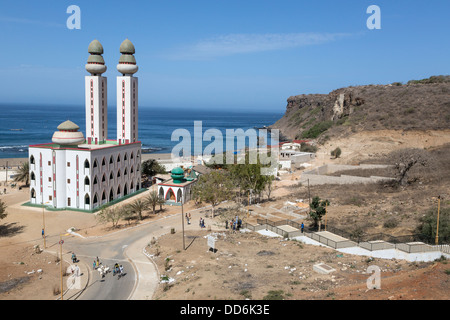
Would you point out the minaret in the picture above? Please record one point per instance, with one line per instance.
(127, 95)
(96, 96)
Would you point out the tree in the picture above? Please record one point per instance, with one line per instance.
(318, 210)
(112, 214)
(23, 173)
(137, 207)
(153, 200)
(3, 213)
(428, 225)
(213, 188)
(151, 168)
(405, 160)
(269, 185)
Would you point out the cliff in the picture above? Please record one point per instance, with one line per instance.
(417, 105)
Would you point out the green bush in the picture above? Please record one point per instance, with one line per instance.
(427, 225)
(336, 152)
(317, 129)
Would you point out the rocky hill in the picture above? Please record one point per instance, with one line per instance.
(416, 105)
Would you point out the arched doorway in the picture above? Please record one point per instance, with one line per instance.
(179, 195)
(170, 196)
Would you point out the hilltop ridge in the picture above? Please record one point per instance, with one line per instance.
(417, 105)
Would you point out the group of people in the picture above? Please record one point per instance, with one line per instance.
(235, 224)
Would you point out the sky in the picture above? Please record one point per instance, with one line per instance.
(225, 55)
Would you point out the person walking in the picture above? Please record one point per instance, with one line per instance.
(302, 227)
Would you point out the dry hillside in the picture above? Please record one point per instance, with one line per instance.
(417, 105)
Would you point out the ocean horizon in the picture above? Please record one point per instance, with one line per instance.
(22, 125)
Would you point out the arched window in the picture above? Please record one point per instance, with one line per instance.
(118, 158)
(95, 163)
(32, 159)
(33, 193)
(32, 176)
(125, 190)
(86, 181)
(161, 192)
(95, 180)
(111, 176)
(118, 173)
(95, 198)
(86, 164)
(103, 196)
(179, 195)
(125, 157)
(118, 191)
(87, 200)
(111, 195)
(131, 170)
(132, 155)
(111, 160)
(103, 162)
(103, 178)
(125, 172)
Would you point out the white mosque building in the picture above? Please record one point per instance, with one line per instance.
(85, 172)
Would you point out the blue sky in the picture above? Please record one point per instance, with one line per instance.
(240, 55)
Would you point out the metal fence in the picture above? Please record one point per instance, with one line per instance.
(412, 243)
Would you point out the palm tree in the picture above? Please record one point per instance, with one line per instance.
(3, 213)
(23, 173)
(154, 199)
(138, 207)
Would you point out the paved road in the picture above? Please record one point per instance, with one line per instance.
(116, 248)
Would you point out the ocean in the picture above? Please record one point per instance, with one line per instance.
(24, 125)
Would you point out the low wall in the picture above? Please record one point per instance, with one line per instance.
(318, 176)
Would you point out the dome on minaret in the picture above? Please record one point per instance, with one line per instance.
(127, 62)
(95, 47)
(68, 134)
(127, 47)
(95, 64)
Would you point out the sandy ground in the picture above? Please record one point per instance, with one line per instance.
(245, 266)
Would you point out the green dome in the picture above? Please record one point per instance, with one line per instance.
(95, 47)
(177, 175)
(127, 47)
(177, 170)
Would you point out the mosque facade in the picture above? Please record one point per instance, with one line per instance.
(77, 171)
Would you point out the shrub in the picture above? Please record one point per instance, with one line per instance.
(390, 223)
(317, 129)
(304, 147)
(274, 295)
(336, 153)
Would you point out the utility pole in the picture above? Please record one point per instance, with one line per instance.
(61, 263)
(309, 197)
(326, 215)
(437, 224)
(182, 220)
(43, 218)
